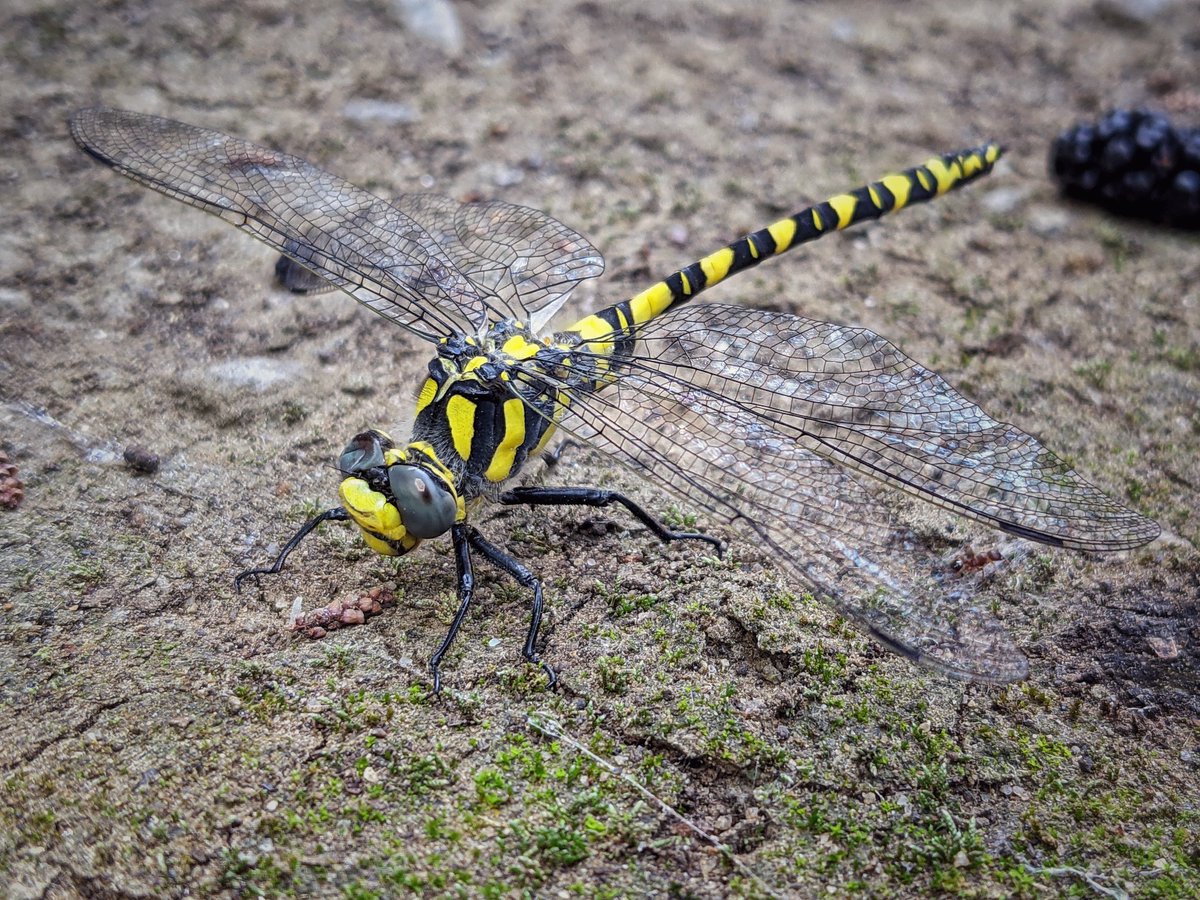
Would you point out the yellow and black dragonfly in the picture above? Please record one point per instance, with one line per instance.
(776, 424)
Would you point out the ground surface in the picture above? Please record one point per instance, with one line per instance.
(162, 736)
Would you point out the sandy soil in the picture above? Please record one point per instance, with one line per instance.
(714, 732)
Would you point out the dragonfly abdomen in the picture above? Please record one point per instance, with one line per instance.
(611, 331)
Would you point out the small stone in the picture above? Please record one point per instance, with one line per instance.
(1046, 222)
(141, 460)
(961, 860)
(316, 632)
(1002, 201)
(353, 617)
(1131, 12)
(434, 21)
(507, 176)
(389, 113)
(12, 492)
(1163, 647)
(258, 373)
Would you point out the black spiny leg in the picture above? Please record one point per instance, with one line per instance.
(581, 496)
(461, 535)
(526, 579)
(337, 514)
(465, 538)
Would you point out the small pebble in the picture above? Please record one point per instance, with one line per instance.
(141, 460)
(12, 492)
(364, 110)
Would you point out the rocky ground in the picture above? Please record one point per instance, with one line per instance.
(716, 731)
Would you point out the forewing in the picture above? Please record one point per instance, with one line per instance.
(351, 238)
(530, 261)
(850, 396)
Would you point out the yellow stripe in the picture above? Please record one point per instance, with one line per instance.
(473, 363)
(519, 348)
(514, 435)
(684, 284)
(595, 331)
(753, 246)
(460, 413)
(782, 233)
(428, 392)
(544, 441)
(971, 164)
(650, 302)
(923, 177)
(622, 318)
(818, 222)
(874, 195)
(900, 187)
(716, 265)
(844, 205)
(943, 173)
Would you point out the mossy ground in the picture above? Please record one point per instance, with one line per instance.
(716, 731)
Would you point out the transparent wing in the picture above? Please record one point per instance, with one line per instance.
(850, 396)
(353, 239)
(527, 259)
(769, 421)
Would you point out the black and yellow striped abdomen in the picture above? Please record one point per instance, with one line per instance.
(609, 331)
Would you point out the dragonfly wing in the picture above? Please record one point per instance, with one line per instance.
(529, 260)
(777, 424)
(850, 396)
(822, 524)
(353, 239)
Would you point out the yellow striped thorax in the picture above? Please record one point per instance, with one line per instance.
(485, 407)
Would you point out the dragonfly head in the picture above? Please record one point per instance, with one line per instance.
(398, 497)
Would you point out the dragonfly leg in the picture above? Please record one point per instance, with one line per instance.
(582, 496)
(553, 457)
(460, 534)
(526, 579)
(337, 514)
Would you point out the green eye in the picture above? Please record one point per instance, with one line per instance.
(426, 507)
(365, 451)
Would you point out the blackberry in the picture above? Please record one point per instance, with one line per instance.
(1135, 163)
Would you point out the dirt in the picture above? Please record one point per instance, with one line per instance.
(715, 732)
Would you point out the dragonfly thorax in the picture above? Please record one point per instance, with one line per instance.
(486, 406)
(398, 496)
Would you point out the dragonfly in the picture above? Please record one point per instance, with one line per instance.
(780, 427)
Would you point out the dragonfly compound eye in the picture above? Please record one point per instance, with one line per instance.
(427, 507)
(365, 451)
